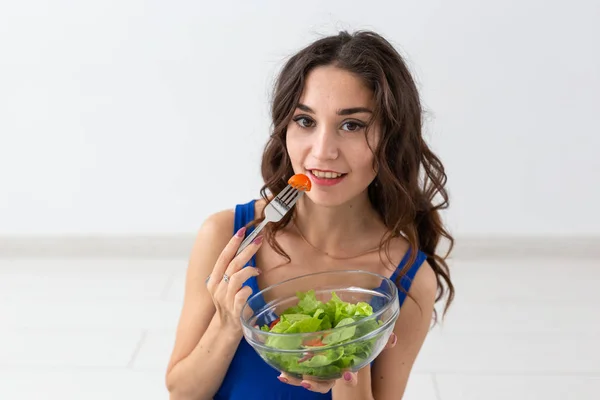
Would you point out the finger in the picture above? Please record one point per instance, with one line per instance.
(224, 259)
(234, 268)
(350, 378)
(285, 378)
(392, 340)
(319, 387)
(240, 299)
(238, 262)
(237, 280)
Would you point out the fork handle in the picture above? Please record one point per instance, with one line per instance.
(252, 236)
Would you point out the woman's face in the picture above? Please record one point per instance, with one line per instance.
(326, 136)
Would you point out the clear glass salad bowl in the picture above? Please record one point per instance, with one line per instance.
(318, 326)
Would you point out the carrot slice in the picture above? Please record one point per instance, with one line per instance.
(300, 182)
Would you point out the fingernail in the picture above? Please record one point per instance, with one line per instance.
(282, 379)
(241, 232)
(394, 339)
(347, 376)
(258, 271)
(305, 385)
(258, 240)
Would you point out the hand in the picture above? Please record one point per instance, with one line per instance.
(348, 379)
(225, 282)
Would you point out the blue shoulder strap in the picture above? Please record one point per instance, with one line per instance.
(244, 213)
(409, 277)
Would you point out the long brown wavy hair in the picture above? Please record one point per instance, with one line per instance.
(409, 174)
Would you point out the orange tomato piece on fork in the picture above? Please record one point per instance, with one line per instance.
(300, 182)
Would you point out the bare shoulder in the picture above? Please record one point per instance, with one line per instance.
(218, 223)
(259, 206)
(212, 237)
(424, 287)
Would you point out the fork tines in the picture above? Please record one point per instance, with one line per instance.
(286, 195)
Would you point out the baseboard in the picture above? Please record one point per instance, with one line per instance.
(109, 246)
(477, 247)
(179, 246)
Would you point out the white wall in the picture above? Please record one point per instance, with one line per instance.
(122, 116)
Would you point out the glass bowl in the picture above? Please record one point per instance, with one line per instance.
(318, 326)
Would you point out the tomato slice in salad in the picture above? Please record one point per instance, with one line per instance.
(315, 342)
(274, 323)
(306, 357)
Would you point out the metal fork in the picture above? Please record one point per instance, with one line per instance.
(274, 212)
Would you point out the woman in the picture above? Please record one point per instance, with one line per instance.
(346, 113)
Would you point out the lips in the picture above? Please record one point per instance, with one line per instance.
(326, 178)
(325, 174)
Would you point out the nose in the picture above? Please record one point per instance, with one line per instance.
(325, 145)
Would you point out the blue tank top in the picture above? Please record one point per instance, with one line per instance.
(251, 378)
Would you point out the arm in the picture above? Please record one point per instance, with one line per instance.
(392, 368)
(358, 389)
(200, 374)
(389, 375)
(203, 350)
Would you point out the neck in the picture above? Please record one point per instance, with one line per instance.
(338, 231)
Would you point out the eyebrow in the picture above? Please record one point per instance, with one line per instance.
(345, 111)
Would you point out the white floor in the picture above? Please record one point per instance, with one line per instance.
(103, 329)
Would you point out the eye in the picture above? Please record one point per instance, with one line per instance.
(304, 122)
(353, 126)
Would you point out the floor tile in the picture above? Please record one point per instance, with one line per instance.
(468, 387)
(80, 384)
(67, 348)
(510, 353)
(176, 288)
(155, 350)
(420, 387)
(538, 281)
(84, 279)
(89, 313)
(525, 317)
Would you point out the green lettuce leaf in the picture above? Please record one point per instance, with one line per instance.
(312, 315)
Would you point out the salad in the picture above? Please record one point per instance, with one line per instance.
(325, 355)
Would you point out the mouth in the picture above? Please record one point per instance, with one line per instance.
(326, 174)
(326, 178)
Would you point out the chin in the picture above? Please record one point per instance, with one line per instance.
(324, 199)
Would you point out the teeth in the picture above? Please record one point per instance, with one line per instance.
(327, 175)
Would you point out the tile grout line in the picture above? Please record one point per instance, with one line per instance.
(167, 288)
(137, 349)
(499, 373)
(436, 388)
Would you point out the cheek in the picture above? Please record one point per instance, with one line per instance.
(294, 148)
(367, 167)
(362, 162)
(370, 151)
